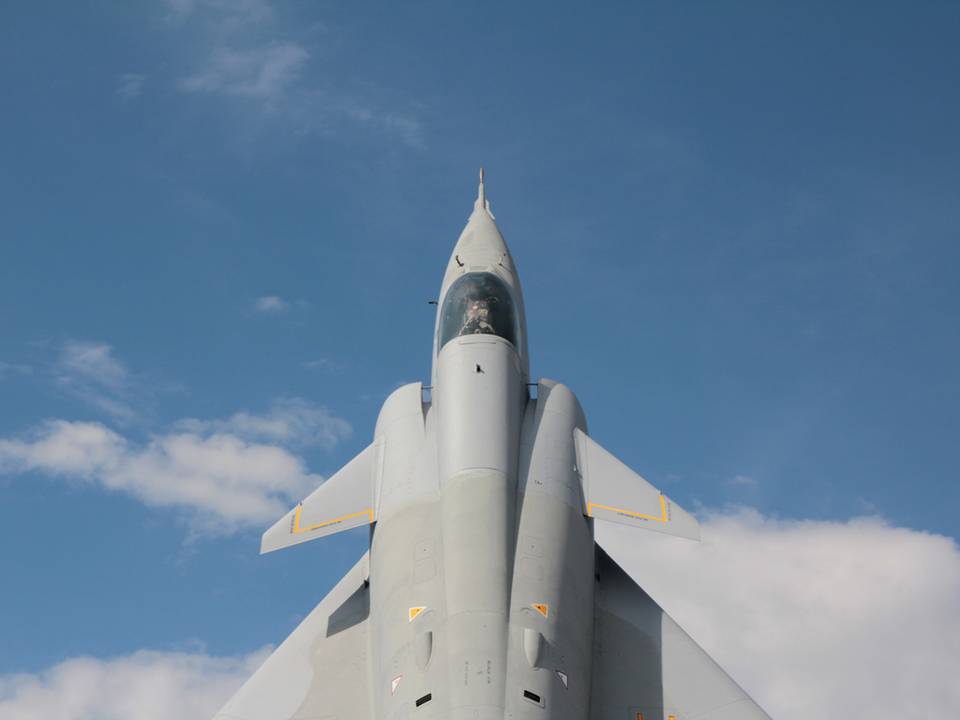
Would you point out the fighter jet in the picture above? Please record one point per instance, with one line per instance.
(484, 594)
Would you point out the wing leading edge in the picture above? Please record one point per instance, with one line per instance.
(614, 492)
(346, 500)
(645, 667)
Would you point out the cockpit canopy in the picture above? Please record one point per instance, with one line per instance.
(478, 303)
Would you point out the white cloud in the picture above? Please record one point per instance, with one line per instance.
(293, 421)
(146, 685)
(218, 471)
(271, 304)
(244, 58)
(747, 481)
(94, 362)
(247, 54)
(90, 372)
(262, 73)
(321, 363)
(77, 449)
(130, 85)
(815, 619)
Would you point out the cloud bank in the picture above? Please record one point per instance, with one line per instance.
(226, 474)
(146, 685)
(852, 619)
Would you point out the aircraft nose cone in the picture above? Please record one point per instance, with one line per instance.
(481, 247)
(481, 243)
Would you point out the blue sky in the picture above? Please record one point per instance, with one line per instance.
(736, 226)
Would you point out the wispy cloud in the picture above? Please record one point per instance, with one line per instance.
(90, 372)
(94, 362)
(271, 304)
(743, 481)
(8, 370)
(263, 73)
(147, 685)
(290, 421)
(225, 474)
(247, 55)
(812, 617)
(405, 126)
(322, 364)
(130, 85)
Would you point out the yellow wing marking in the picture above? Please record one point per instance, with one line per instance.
(296, 520)
(631, 513)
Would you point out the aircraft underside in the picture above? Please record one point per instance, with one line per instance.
(483, 594)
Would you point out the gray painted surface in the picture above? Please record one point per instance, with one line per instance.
(321, 669)
(614, 492)
(487, 597)
(646, 665)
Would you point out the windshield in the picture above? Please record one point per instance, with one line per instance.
(478, 303)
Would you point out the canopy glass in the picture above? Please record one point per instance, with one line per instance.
(478, 303)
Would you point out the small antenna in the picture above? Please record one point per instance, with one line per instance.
(481, 194)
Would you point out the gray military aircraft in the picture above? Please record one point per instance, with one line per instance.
(484, 595)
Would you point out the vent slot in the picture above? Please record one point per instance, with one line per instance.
(533, 697)
(424, 700)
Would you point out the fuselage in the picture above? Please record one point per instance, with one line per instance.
(481, 559)
(483, 595)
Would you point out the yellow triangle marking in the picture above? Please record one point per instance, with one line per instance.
(542, 608)
(413, 612)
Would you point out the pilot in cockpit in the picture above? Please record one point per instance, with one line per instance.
(477, 318)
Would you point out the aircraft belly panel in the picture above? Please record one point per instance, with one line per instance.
(477, 523)
(407, 609)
